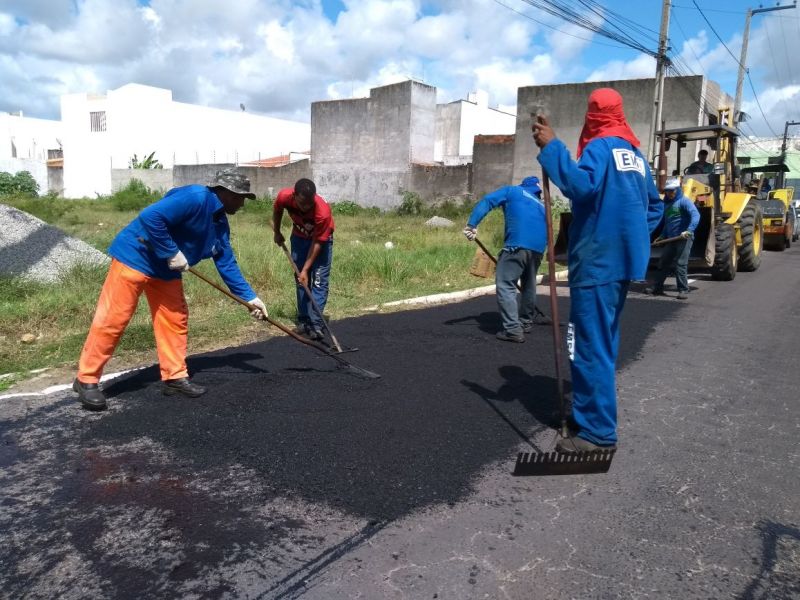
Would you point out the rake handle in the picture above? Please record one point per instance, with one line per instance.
(310, 296)
(551, 264)
(665, 241)
(269, 320)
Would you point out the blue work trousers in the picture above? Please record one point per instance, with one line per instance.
(593, 343)
(513, 265)
(675, 257)
(318, 280)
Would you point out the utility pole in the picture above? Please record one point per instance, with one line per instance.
(783, 148)
(661, 66)
(743, 60)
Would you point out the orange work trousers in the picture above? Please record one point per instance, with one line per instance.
(117, 303)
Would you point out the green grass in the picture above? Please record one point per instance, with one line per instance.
(423, 261)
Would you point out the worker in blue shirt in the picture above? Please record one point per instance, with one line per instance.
(148, 256)
(519, 260)
(680, 220)
(615, 208)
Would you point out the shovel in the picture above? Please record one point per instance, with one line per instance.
(516, 283)
(677, 238)
(358, 371)
(556, 463)
(336, 343)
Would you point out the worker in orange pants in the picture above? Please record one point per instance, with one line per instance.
(148, 256)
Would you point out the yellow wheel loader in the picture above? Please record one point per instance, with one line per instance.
(776, 205)
(729, 236)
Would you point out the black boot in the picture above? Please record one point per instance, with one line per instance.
(90, 395)
(182, 386)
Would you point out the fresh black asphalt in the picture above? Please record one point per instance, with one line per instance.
(289, 465)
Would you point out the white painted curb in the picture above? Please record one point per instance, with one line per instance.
(67, 386)
(457, 296)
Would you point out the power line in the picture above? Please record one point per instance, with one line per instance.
(759, 103)
(543, 24)
(702, 14)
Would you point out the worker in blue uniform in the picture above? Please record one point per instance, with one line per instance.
(680, 220)
(615, 208)
(523, 244)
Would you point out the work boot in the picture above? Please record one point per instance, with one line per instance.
(302, 329)
(315, 334)
(542, 319)
(90, 395)
(682, 296)
(574, 444)
(182, 386)
(506, 336)
(652, 291)
(527, 326)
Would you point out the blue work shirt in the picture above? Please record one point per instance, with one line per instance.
(190, 219)
(523, 211)
(680, 214)
(615, 208)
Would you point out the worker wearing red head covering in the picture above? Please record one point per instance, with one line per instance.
(615, 207)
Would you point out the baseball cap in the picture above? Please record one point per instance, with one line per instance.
(531, 182)
(233, 180)
(673, 183)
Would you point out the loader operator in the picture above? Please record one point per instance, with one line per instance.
(149, 255)
(311, 246)
(523, 245)
(700, 166)
(615, 208)
(680, 220)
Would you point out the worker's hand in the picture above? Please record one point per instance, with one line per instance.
(259, 312)
(303, 278)
(279, 239)
(470, 233)
(178, 262)
(686, 235)
(543, 134)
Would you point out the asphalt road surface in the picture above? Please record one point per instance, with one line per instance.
(292, 478)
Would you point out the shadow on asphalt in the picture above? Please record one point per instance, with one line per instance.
(778, 575)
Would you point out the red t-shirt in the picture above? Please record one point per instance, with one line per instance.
(316, 224)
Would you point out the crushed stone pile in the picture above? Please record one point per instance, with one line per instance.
(32, 249)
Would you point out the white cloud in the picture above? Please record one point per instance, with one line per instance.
(641, 66)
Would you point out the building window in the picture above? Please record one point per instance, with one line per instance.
(97, 121)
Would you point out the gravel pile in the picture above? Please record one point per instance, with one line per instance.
(32, 249)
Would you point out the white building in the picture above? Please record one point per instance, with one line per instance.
(458, 122)
(26, 144)
(104, 132)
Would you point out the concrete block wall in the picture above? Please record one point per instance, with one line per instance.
(436, 182)
(565, 105)
(155, 179)
(362, 149)
(492, 163)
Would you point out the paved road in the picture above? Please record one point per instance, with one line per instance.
(293, 479)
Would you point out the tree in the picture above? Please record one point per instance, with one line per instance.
(149, 162)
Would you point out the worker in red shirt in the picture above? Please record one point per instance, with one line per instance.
(311, 246)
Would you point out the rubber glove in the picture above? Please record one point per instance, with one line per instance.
(470, 233)
(686, 235)
(178, 262)
(259, 312)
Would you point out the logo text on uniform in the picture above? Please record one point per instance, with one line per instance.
(627, 160)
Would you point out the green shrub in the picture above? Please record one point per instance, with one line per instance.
(134, 196)
(22, 183)
(411, 204)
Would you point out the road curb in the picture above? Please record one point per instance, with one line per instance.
(447, 297)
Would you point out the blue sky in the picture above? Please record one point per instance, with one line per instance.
(276, 56)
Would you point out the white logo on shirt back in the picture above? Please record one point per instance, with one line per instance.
(627, 160)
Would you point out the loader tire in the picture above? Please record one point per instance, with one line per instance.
(725, 256)
(751, 227)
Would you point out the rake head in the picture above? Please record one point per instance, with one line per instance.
(559, 463)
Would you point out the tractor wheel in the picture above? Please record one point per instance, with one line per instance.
(725, 256)
(751, 229)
